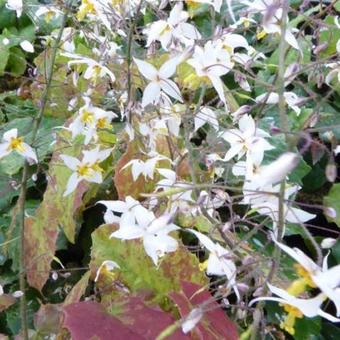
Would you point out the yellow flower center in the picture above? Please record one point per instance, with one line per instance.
(165, 30)
(102, 123)
(297, 287)
(84, 170)
(203, 266)
(246, 22)
(16, 144)
(260, 35)
(192, 4)
(87, 117)
(96, 73)
(87, 7)
(49, 16)
(95, 167)
(303, 273)
(228, 48)
(289, 321)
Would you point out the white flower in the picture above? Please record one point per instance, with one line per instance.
(308, 307)
(291, 99)
(15, 5)
(159, 81)
(48, 12)
(215, 3)
(106, 265)
(89, 119)
(272, 15)
(247, 140)
(130, 205)
(266, 203)
(276, 171)
(218, 262)
(206, 115)
(11, 142)
(174, 28)
(87, 169)
(327, 280)
(146, 168)
(94, 69)
(334, 73)
(27, 46)
(212, 61)
(17, 294)
(154, 232)
(192, 319)
(328, 242)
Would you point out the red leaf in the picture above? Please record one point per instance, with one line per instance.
(133, 320)
(87, 320)
(215, 324)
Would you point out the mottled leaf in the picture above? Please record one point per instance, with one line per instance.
(137, 269)
(123, 179)
(55, 211)
(47, 320)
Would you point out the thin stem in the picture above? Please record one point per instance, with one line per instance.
(280, 82)
(23, 190)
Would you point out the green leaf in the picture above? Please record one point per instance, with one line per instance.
(306, 328)
(137, 270)
(17, 62)
(330, 36)
(4, 55)
(11, 164)
(332, 201)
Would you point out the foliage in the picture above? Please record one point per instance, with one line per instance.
(166, 167)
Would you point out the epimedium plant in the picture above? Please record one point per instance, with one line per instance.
(162, 183)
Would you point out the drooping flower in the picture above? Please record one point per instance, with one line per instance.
(159, 81)
(266, 202)
(146, 168)
(172, 29)
(291, 99)
(247, 140)
(106, 266)
(212, 61)
(296, 307)
(94, 71)
(327, 280)
(276, 171)
(87, 169)
(219, 262)
(153, 231)
(11, 142)
(205, 115)
(271, 12)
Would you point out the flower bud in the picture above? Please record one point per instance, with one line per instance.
(328, 243)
